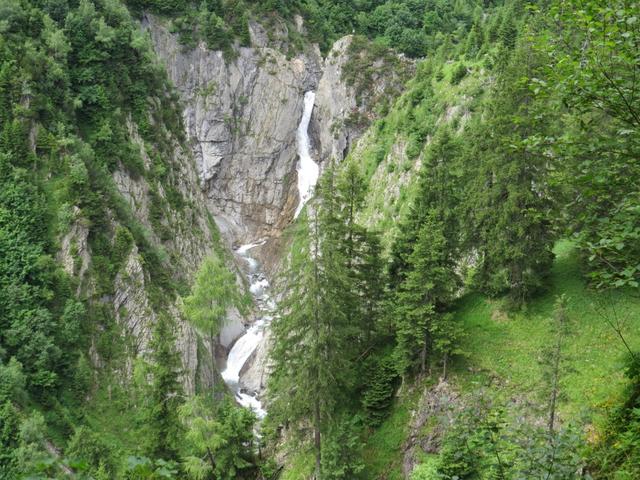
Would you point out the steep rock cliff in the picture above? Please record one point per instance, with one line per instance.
(241, 116)
(183, 233)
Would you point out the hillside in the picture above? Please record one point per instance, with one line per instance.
(319, 240)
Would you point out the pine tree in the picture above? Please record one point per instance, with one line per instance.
(311, 351)
(510, 206)
(422, 269)
(508, 31)
(165, 393)
(380, 379)
(475, 40)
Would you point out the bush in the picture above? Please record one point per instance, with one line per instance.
(458, 74)
(382, 380)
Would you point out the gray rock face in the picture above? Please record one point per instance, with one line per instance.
(335, 101)
(74, 254)
(429, 420)
(241, 116)
(190, 242)
(344, 109)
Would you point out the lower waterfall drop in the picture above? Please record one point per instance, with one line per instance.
(247, 343)
(243, 348)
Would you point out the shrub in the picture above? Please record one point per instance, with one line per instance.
(458, 74)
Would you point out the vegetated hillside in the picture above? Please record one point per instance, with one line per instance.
(497, 193)
(102, 228)
(460, 299)
(506, 354)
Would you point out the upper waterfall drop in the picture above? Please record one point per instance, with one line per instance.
(308, 170)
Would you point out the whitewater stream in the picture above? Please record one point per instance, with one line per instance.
(245, 345)
(249, 341)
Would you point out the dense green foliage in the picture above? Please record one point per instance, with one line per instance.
(328, 323)
(214, 292)
(220, 439)
(548, 147)
(83, 97)
(594, 67)
(617, 455)
(541, 154)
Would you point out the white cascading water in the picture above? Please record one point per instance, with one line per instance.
(242, 349)
(247, 343)
(308, 170)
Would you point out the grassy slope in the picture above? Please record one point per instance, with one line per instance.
(510, 347)
(507, 350)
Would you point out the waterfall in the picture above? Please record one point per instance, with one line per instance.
(308, 170)
(247, 343)
(244, 346)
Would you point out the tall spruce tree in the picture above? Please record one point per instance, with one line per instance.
(311, 349)
(423, 296)
(165, 393)
(509, 204)
(439, 191)
(361, 251)
(422, 269)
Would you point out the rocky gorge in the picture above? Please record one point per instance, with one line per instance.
(241, 117)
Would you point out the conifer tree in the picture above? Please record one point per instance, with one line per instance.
(311, 351)
(508, 31)
(165, 393)
(427, 290)
(361, 251)
(219, 439)
(422, 269)
(474, 40)
(214, 292)
(439, 192)
(510, 206)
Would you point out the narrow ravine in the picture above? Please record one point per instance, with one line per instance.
(243, 348)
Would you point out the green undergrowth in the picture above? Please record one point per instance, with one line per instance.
(505, 349)
(505, 354)
(299, 465)
(382, 448)
(382, 452)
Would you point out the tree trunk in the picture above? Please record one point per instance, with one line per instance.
(423, 353)
(444, 366)
(316, 436)
(211, 460)
(554, 389)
